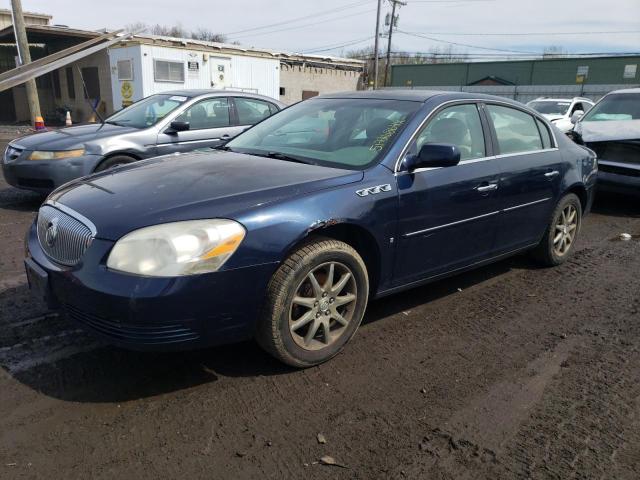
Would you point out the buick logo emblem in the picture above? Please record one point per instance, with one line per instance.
(51, 233)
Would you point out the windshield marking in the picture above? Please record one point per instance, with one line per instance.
(382, 139)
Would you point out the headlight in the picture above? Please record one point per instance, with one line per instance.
(176, 249)
(58, 155)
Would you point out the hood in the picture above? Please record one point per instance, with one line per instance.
(70, 137)
(604, 131)
(191, 186)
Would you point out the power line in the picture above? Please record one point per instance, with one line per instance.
(304, 17)
(485, 34)
(302, 26)
(433, 39)
(336, 46)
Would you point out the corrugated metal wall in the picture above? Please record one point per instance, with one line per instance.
(559, 71)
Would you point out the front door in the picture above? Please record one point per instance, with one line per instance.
(448, 216)
(210, 125)
(532, 170)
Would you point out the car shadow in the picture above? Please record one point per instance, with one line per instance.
(106, 374)
(616, 205)
(20, 200)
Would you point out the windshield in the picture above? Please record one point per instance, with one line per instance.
(550, 107)
(147, 112)
(618, 106)
(336, 132)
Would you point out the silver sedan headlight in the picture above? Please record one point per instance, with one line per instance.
(176, 249)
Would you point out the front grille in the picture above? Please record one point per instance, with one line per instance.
(133, 333)
(63, 237)
(11, 154)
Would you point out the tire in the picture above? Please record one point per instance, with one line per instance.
(285, 328)
(548, 252)
(113, 162)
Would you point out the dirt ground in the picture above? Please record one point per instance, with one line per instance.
(506, 372)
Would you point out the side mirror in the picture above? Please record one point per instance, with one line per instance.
(433, 155)
(577, 115)
(177, 126)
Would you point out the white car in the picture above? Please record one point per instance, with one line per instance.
(561, 111)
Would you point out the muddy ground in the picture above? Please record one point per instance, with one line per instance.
(510, 371)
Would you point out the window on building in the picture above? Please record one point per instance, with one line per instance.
(516, 130)
(71, 86)
(91, 85)
(166, 71)
(210, 113)
(55, 80)
(251, 111)
(309, 94)
(125, 69)
(282, 91)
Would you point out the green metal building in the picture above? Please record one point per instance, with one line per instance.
(619, 70)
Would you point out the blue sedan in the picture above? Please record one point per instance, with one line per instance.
(287, 231)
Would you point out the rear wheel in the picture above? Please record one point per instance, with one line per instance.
(113, 162)
(558, 242)
(315, 303)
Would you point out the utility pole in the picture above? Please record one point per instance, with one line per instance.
(24, 57)
(391, 24)
(376, 60)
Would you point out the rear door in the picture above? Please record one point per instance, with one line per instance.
(531, 174)
(210, 125)
(448, 216)
(249, 111)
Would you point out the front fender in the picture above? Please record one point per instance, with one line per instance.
(276, 229)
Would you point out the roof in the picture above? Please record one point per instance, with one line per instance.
(45, 33)
(627, 90)
(28, 14)
(416, 95)
(230, 48)
(196, 92)
(389, 94)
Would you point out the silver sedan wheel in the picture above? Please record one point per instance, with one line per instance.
(565, 231)
(323, 306)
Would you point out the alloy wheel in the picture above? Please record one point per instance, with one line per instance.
(323, 306)
(565, 230)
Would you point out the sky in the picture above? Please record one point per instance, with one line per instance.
(333, 27)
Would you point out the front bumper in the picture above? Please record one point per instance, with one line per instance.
(145, 313)
(43, 176)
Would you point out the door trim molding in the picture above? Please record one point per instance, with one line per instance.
(479, 217)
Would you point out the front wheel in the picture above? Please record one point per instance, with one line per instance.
(559, 240)
(315, 303)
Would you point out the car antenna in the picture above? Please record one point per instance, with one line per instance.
(86, 94)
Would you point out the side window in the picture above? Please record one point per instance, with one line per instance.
(251, 111)
(210, 113)
(544, 133)
(516, 130)
(459, 125)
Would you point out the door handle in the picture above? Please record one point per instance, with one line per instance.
(487, 188)
(225, 137)
(552, 174)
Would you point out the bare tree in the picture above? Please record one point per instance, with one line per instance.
(207, 35)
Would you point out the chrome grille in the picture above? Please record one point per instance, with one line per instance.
(63, 237)
(11, 154)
